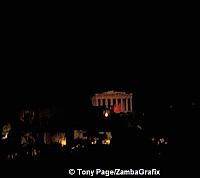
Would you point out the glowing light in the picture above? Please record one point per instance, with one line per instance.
(5, 131)
(5, 137)
(106, 114)
(94, 142)
(139, 127)
(162, 140)
(63, 142)
(106, 142)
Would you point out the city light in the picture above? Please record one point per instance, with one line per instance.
(106, 142)
(106, 114)
(94, 142)
(5, 131)
(139, 127)
(162, 140)
(63, 142)
(5, 137)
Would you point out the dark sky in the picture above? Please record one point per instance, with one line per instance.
(69, 82)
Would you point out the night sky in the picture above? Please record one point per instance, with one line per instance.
(69, 84)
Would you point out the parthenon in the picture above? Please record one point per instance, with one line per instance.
(118, 101)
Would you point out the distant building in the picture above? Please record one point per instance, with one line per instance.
(80, 134)
(59, 137)
(113, 100)
(100, 136)
(41, 116)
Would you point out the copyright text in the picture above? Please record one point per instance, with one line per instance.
(113, 172)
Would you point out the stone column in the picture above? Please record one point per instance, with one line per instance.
(116, 102)
(126, 104)
(106, 102)
(122, 106)
(101, 101)
(131, 104)
(111, 101)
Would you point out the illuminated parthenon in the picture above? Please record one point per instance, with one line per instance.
(119, 101)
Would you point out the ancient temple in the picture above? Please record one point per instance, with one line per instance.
(118, 101)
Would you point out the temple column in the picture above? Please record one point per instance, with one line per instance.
(122, 105)
(126, 104)
(101, 101)
(106, 102)
(116, 101)
(131, 104)
(111, 101)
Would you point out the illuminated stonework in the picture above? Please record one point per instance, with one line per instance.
(118, 101)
